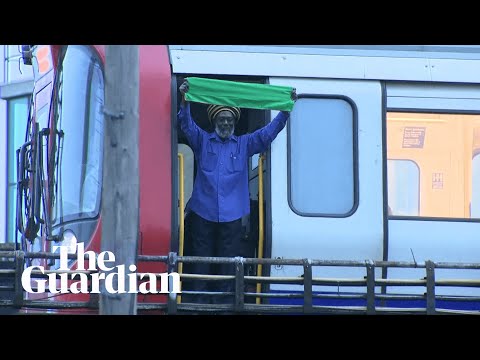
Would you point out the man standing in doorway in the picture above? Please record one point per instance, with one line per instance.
(220, 195)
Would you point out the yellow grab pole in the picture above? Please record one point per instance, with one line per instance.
(260, 221)
(181, 216)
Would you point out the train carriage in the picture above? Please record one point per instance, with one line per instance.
(378, 164)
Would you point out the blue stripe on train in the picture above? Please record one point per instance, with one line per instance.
(439, 304)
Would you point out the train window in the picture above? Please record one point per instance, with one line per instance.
(475, 205)
(78, 117)
(17, 110)
(188, 171)
(255, 159)
(321, 157)
(404, 178)
(443, 148)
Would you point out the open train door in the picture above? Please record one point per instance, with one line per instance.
(327, 179)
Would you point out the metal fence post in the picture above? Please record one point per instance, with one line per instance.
(19, 264)
(172, 298)
(370, 287)
(239, 284)
(430, 269)
(307, 286)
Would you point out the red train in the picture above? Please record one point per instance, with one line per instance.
(328, 189)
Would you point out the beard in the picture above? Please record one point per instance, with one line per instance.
(224, 132)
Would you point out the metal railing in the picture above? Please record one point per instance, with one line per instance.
(307, 293)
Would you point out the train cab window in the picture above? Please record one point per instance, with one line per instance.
(321, 157)
(17, 110)
(403, 177)
(80, 97)
(443, 148)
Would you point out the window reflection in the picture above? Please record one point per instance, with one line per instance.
(475, 206)
(403, 185)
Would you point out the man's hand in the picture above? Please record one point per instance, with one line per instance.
(184, 87)
(183, 90)
(294, 94)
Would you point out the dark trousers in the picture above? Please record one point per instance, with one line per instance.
(222, 239)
